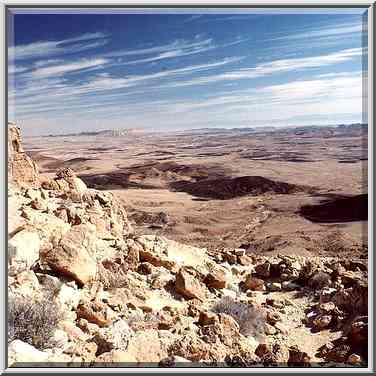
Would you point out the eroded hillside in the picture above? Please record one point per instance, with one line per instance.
(86, 290)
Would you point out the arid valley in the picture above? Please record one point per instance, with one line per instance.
(264, 191)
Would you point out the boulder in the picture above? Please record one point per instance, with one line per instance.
(114, 337)
(22, 169)
(145, 347)
(188, 285)
(23, 248)
(75, 254)
(216, 279)
(21, 352)
(96, 312)
(319, 280)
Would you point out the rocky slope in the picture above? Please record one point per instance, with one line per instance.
(84, 290)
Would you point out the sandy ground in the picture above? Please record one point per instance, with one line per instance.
(150, 173)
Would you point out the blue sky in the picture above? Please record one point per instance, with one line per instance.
(70, 72)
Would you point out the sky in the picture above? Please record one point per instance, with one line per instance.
(81, 72)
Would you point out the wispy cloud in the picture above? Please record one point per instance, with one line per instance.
(192, 18)
(326, 99)
(328, 31)
(56, 70)
(13, 69)
(175, 49)
(277, 66)
(58, 47)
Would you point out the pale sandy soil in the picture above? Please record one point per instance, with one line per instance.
(141, 171)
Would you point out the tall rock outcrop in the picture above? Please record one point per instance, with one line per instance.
(21, 168)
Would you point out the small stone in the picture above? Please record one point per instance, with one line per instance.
(322, 321)
(273, 317)
(263, 270)
(281, 328)
(274, 286)
(207, 318)
(254, 283)
(270, 329)
(354, 359)
(216, 279)
(290, 286)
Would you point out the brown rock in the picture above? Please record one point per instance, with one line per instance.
(254, 283)
(322, 321)
(338, 354)
(145, 347)
(244, 260)
(216, 279)
(188, 285)
(298, 357)
(230, 258)
(207, 318)
(145, 268)
(359, 331)
(74, 256)
(133, 259)
(96, 312)
(21, 168)
(272, 317)
(263, 270)
(319, 280)
(82, 351)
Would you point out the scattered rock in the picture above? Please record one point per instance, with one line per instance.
(254, 283)
(216, 279)
(188, 285)
(322, 321)
(96, 312)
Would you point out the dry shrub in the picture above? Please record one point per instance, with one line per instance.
(251, 319)
(332, 243)
(33, 321)
(112, 279)
(139, 321)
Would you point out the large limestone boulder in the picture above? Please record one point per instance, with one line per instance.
(75, 254)
(21, 352)
(23, 249)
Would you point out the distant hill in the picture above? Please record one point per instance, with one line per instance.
(106, 133)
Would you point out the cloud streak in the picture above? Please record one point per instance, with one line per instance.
(339, 30)
(51, 48)
(277, 66)
(56, 70)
